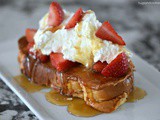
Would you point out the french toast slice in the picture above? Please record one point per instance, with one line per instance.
(103, 94)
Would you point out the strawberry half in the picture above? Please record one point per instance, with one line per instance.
(38, 54)
(107, 32)
(118, 67)
(60, 63)
(30, 34)
(56, 14)
(98, 66)
(75, 19)
(41, 57)
(30, 45)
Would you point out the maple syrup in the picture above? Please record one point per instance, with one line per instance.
(54, 29)
(136, 94)
(58, 99)
(79, 108)
(27, 85)
(76, 106)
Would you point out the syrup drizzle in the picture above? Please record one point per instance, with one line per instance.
(28, 85)
(80, 108)
(76, 106)
(136, 94)
(58, 99)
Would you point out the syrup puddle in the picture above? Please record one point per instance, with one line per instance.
(28, 85)
(136, 94)
(76, 106)
(58, 99)
(79, 108)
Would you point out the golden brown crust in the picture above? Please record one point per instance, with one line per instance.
(104, 94)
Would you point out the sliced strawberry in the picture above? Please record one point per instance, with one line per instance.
(98, 66)
(56, 14)
(38, 53)
(30, 34)
(30, 45)
(118, 67)
(75, 19)
(60, 63)
(41, 57)
(107, 32)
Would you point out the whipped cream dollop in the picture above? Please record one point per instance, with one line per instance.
(78, 44)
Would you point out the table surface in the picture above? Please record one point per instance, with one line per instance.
(140, 22)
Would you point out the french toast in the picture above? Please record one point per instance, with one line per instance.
(105, 94)
(78, 56)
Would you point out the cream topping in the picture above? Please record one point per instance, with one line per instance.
(79, 43)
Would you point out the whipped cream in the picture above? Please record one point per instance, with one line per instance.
(77, 44)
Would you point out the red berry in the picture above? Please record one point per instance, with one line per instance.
(38, 53)
(56, 14)
(98, 66)
(118, 67)
(75, 19)
(60, 63)
(41, 57)
(29, 46)
(107, 32)
(30, 34)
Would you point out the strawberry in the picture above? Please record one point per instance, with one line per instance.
(118, 67)
(30, 45)
(56, 14)
(107, 32)
(41, 57)
(60, 63)
(75, 19)
(30, 34)
(98, 66)
(38, 53)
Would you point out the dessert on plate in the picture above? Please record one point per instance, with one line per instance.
(78, 56)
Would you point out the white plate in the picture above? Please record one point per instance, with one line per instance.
(146, 77)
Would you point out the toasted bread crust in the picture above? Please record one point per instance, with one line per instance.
(104, 94)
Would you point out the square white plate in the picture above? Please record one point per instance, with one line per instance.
(146, 77)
